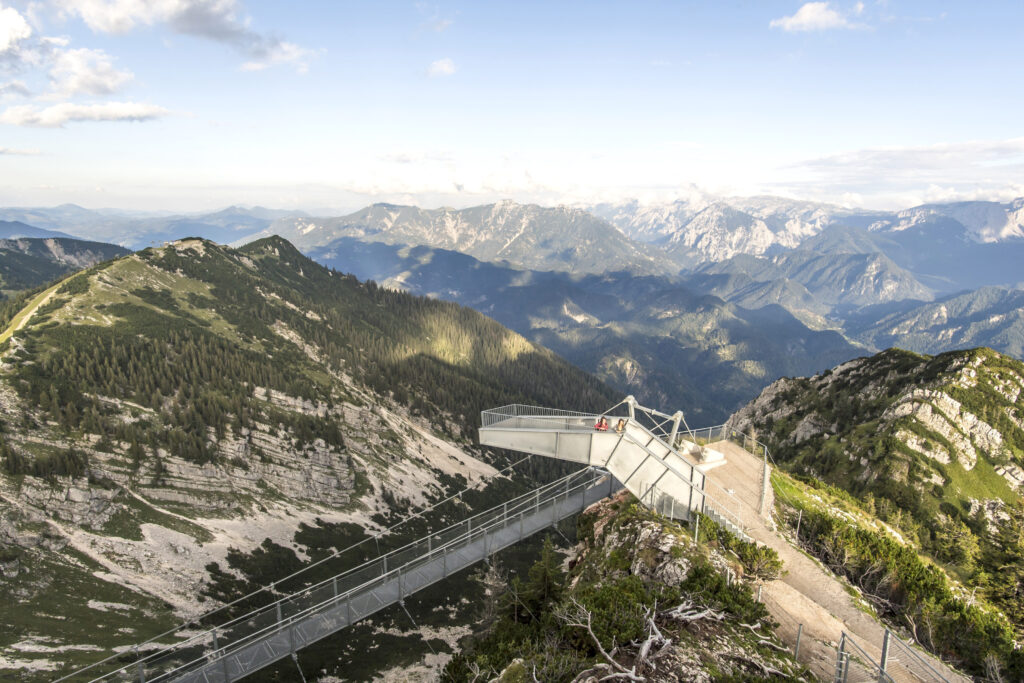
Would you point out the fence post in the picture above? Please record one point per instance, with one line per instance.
(277, 606)
(799, 632)
(882, 677)
(799, 518)
(765, 482)
(839, 658)
(696, 527)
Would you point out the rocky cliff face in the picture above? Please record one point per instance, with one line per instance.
(948, 426)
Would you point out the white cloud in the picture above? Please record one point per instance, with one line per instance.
(282, 53)
(221, 21)
(87, 72)
(15, 89)
(7, 151)
(13, 29)
(441, 67)
(57, 115)
(896, 177)
(814, 16)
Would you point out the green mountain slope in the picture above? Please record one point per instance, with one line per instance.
(163, 414)
(665, 343)
(932, 445)
(989, 316)
(30, 262)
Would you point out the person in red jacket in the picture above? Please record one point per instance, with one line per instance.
(602, 424)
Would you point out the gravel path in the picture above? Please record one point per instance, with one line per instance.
(808, 594)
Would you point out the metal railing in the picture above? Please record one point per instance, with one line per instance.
(725, 432)
(854, 665)
(899, 662)
(270, 632)
(729, 513)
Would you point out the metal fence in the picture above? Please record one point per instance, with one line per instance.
(898, 662)
(270, 632)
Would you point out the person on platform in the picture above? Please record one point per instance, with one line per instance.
(602, 424)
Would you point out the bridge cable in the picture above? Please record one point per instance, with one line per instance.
(417, 626)
(301, 675)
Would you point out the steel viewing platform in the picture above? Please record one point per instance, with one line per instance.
(655, 456)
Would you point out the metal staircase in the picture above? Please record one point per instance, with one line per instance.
(668, 478)
(247, 643)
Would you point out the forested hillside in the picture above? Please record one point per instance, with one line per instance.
(30, 262)
(934, 448)
(191, 407)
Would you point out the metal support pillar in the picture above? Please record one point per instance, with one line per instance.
(141, 668)
(796, 649)
(676, 419)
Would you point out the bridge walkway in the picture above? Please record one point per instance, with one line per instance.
(269, 633)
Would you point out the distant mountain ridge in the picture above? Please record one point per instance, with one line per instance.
(17, 229)
(650, 336)
(523, 235)
(715, 229)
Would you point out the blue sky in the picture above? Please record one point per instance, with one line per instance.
(196, 104)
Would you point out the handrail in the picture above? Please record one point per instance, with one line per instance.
(919, 659)
(472, 526)
(872, 668)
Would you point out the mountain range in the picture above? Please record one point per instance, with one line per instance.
(650, 336)
(632, 291)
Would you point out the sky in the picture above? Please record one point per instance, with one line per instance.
(189, 105)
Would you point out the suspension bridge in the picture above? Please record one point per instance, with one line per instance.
(657, 457)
